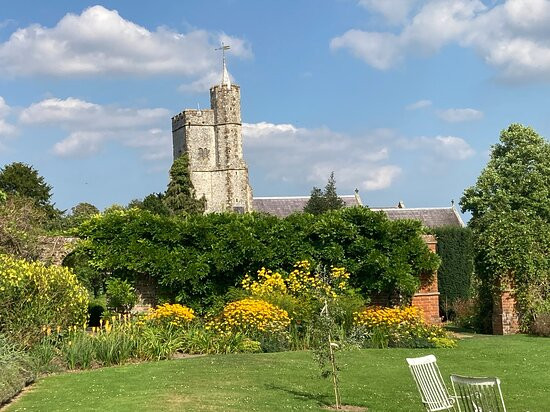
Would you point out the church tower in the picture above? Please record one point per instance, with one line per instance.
(212, 138)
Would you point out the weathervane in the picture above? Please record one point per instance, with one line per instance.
(225, 75)
(223, 49)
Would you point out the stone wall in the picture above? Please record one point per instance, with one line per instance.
(52, 250)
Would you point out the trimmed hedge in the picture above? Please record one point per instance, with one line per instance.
(199, 257)
(454, 276)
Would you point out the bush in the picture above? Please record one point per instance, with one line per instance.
(541, 324)
(171, 315)
(454, 276)
(96, 308)
(33, 296)
(121, 296)
(198, 258)
(16, 370)
(398, 327)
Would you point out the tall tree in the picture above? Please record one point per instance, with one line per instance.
(332, 201)
(511, 218)
(180, 194)
(322, 201)
(23, 180)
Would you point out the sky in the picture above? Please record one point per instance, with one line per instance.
(402, 99)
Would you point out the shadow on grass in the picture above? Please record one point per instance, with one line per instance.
(322, 400)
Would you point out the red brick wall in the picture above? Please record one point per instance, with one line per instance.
(505, 316)
(427, 298)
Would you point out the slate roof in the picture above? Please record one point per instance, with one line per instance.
(284, 206)
(431, 217)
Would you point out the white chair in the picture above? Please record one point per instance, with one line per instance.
(478, 394)
(429, 382)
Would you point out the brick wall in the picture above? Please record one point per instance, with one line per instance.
(505, 316)
(427, 298)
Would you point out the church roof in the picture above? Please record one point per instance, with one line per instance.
(431, 217)
(284, 206)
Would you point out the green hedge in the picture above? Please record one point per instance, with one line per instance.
(455, 247)
(199, 257)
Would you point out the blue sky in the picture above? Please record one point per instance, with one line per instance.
(402, 99)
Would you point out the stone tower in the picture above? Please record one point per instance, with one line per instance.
(213, 140)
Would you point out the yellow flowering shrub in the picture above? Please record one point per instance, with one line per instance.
(33, 295)
(399, 327)
(251, 316)
(301, 282)
(171, 314)
(376, 316)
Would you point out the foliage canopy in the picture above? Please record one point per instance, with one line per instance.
(511, 218)
(200, 256)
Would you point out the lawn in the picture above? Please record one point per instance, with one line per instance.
(378, 379)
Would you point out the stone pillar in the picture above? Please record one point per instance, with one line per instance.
(505, 316)
(427, 298)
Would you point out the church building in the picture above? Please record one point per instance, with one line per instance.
(212, 138)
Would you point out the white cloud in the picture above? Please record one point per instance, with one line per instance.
(381, 177)
(420, 104)
(90, 125)
(6, 129)
(394, 11)
(513, 36)
(100, 41)
(286, 152)
(446, 147)
(460, 115)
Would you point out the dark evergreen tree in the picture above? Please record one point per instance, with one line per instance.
(332, 201)
(322, 201)
(316, 203)
(180, 195)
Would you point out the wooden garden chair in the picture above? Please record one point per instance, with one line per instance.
(478, 394)
(429, 382)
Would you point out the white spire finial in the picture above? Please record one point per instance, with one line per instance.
(226, 81)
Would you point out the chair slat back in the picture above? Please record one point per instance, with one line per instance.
(478, 394)
(429, 382)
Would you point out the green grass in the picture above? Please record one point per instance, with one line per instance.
(378, 379)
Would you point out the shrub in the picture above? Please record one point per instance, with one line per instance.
(96, 308)
(167, 314)
(398, 327)
(465, 312)
(198, 258)
(16, 370)
(255, 319)
(33, 295)
(121, 296)
(454, 276)
(541, 324)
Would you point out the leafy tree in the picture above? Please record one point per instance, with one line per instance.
(23, 180)
(153, 202)
(20, 227)
(81, 212)
(511, 219)
(180, 195)
(322, 201)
